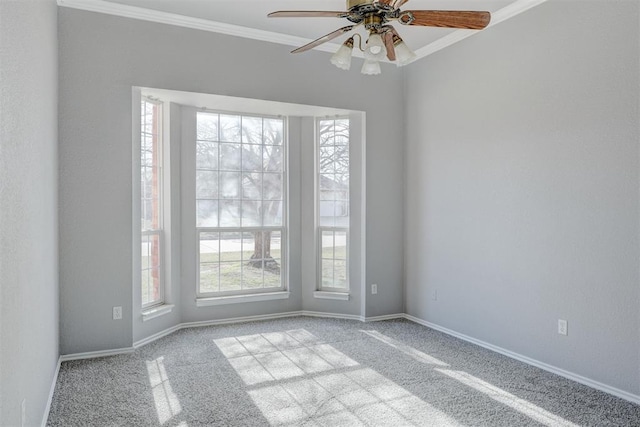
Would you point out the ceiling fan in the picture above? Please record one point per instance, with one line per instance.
(383, 39)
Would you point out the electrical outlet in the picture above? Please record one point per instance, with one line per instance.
(562, 327)
(374, 289)
(23, 413)
(117, 313)
(434, 295)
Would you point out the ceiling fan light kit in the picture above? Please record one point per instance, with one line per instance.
(342, 57)
(374, 48)
(371, 67)
(404, 55)
(383, 40)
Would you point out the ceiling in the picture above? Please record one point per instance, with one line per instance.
(248, 18)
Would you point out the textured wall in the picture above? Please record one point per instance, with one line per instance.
(101, 58)
(28, 208)
(522, 188)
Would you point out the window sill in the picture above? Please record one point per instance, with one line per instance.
(153, 312)
(238, 299)
(342, 296)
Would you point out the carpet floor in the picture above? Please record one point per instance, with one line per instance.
(305, 371)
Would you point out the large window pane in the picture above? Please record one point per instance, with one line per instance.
(230, 155)
(207, 127)
(210, 261)
(272, 213)
(229, 185)
(273, 259)
(210, 247)
(272, 186)
(273, 158)
(251, 213)
(210, 277)
(206, 213)
(206, 184)
(229, 213)
(230, 276)
(207, 155)
(239, 191)
(252, 130)
(231, 246)
(251, 157)
(273, 132)
(229, 128)
(252, 186)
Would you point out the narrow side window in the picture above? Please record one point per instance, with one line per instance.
(151, 204)
(332, 193)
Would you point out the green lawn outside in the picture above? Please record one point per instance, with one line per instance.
(235, 273)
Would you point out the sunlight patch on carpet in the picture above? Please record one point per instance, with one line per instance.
(276, 356)
(356, 398)
(294, 377)
(521, 405)
(406, 349)
(166, 401)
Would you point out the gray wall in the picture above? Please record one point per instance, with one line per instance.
(28, 208)
(522, 188)
(101, 58)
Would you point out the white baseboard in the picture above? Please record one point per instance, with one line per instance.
(94, 354)
(244, 319)
(52, 389)
(232, 320)
(156, 336)
(545, 366)
(228, 321)
(385, 317)
(331, 315)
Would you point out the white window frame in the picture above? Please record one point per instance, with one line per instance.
(162, 204)
(283, 229)
(320, 289)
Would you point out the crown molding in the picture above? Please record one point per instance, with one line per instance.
(501, 15)
(144, 14)
(117, 9)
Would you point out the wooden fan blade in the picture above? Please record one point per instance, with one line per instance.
(446, 18)
(324, 39)
(307, 14)
(388, 43)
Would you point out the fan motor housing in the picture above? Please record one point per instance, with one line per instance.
(355, 3)
(361, 9)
